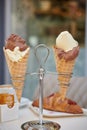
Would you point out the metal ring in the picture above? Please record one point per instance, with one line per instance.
(38, 57)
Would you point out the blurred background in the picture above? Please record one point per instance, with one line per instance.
(40, 22)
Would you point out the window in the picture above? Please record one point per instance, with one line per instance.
(41, 21)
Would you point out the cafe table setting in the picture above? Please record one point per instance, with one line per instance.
(55, 111)
(27, 113)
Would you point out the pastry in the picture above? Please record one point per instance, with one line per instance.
(54, 103)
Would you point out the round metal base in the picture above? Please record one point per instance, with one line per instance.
(35, 125)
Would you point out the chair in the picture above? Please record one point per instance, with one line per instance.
(77, 90)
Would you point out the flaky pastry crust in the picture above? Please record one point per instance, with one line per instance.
(54, 103)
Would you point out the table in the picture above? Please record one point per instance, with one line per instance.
(25, 114)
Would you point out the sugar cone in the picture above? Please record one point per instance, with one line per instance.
(64, 69)
(17, 71)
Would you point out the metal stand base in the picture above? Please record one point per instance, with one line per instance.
(35, 125)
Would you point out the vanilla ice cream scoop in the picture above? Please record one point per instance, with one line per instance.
(65, 41)
(16, 55)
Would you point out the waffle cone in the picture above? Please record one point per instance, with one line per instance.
(17, 72)
(64, 69)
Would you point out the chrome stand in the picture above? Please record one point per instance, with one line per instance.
(40, 124)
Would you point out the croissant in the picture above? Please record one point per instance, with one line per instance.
(55, 103)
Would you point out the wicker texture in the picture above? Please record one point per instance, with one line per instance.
(17, 71)
(64, 69)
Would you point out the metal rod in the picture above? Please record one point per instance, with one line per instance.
(41, 77)
(55, 73)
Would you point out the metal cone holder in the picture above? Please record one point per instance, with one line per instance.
(64, 79)
(18, 85)
(41, 124)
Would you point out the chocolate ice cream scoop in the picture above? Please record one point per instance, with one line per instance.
(69, 55)
(15, 41)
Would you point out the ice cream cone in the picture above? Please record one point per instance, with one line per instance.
(17, 71)
(64, 69)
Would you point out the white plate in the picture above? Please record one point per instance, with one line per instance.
(47, 113)
(24, 102)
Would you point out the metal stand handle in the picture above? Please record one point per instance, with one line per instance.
(41, 124)
(41, 77)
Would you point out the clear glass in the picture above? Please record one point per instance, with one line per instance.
(47, 125)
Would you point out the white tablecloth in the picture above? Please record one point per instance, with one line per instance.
(25, 114)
